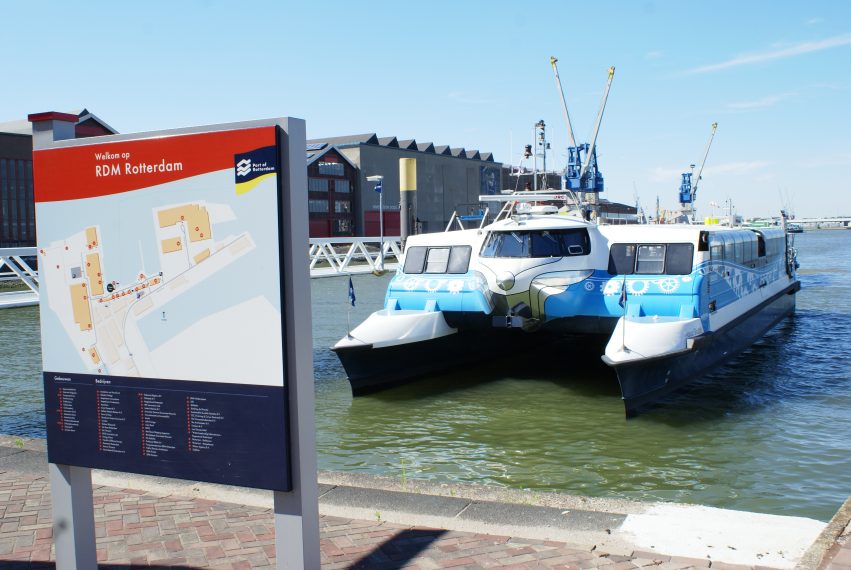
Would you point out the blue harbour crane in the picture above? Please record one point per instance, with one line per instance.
(688, 187)
(582, 175)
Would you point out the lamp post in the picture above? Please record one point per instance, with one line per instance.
(378, 179)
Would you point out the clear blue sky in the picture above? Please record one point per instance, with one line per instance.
(775, 75)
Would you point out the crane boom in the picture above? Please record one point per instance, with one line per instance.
(553, 62)
(591, 148)
(705, 154)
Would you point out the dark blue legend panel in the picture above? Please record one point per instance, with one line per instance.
(233, 434)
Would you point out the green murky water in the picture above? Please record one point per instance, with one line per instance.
(768, 432)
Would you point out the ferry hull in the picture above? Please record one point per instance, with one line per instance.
(372, 369)
(645, 381)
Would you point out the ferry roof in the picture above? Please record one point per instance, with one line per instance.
(661, 232)
(539, 222)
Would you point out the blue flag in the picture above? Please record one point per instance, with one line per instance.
(378, 187)
(622, 300)
(352, 298)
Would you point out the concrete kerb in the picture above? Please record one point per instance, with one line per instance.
(814, 556)
(616, 527)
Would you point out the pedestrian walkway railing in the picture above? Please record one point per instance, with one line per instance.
(339, 255)
(328, 257)
(18, 277)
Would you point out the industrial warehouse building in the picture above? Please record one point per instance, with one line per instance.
(343, 202)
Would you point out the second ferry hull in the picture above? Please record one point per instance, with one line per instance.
(645, 381)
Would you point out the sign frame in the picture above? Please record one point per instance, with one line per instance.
(296, 511)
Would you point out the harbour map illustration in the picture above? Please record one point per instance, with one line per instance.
(163, 273)
(100, 314)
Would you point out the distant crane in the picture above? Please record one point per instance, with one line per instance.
(640, 216)
(688, 189)
(581, 174)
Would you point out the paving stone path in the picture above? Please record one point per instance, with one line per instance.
(137, 528)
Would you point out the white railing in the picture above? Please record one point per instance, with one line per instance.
(328, 257)
(15, 269)
(339, 256)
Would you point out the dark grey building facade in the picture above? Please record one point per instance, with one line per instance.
(448, 179)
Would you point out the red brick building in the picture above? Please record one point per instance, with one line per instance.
(17, 209)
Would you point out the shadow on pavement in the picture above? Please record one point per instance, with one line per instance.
(399, 550)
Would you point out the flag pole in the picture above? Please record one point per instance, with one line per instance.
(623, 325)
(351, 295)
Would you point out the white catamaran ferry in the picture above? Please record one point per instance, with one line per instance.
(668, 302)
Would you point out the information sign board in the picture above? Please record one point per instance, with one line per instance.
(162, 313)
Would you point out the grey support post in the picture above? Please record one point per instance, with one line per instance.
(73, 517)
(70, 486)
(297, 512)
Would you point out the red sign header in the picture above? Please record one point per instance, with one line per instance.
(101, 169)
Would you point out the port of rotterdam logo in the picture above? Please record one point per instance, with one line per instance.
(251, 168)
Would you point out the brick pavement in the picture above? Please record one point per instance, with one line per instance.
(838, 557)
(137, 528)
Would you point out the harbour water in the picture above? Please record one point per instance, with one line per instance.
(768, 432)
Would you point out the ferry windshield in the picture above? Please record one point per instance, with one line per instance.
(538, 243)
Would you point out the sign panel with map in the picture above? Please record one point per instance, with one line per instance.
(161, 305)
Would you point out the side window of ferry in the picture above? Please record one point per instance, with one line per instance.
(678, 258)
(575, 242)
(621, 259)
(437, 259)
(650, 259)
(459, 259)
(545, 244)
(750, 248)
(740, 247)
(514, 244)
(489, 248)
(560, 243)
(414, 259)
(729, 247)
(507, 244)
(716, 247)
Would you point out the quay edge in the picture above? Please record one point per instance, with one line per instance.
(835, 538)
(616, 527)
